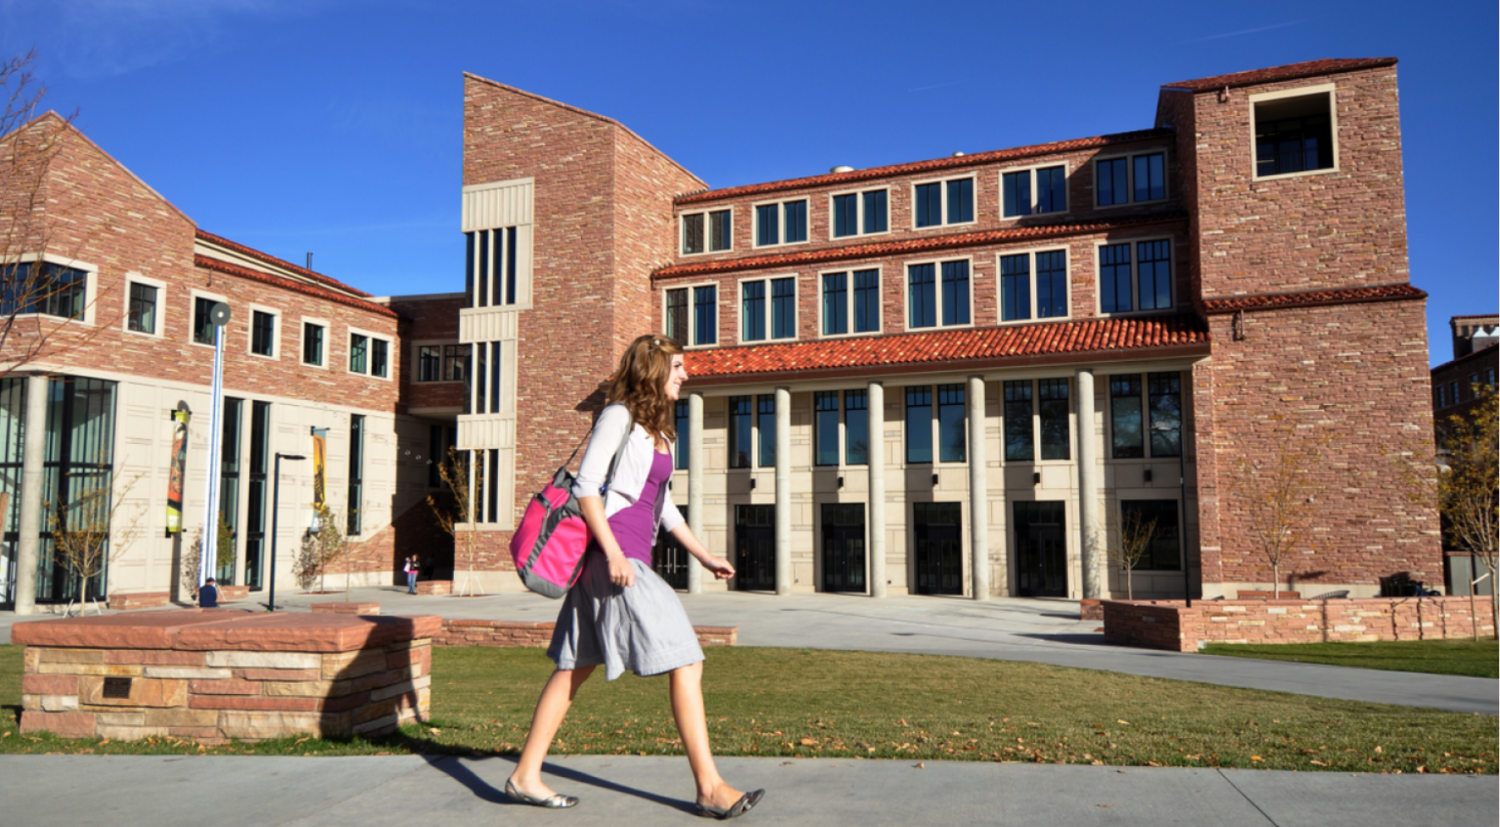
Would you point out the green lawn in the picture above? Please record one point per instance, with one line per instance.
(1480, 659)
(789, 702)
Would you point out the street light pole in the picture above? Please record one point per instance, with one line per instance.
(275, 513)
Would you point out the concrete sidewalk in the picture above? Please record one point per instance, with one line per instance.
(190, 791)
(1039, 631)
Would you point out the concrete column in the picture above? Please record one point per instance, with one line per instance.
(695, 488)
(1088, 497)
(783, 491)
(33, 454)
(875, 413)
(979, 525)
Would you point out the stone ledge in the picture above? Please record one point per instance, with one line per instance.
(334, 607)
(139, 600)
(523, 633)
(213, 629)
(434, 587)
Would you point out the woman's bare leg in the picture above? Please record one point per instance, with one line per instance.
(687, 709)
(551, 708)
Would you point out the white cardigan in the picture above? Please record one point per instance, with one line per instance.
(630, 477)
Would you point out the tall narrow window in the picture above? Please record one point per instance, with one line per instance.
(929, 205)
(835, 304)
(359, 346)
(867, 299)
(1015, 194)
(765, 415)
(680, 411)
(921, 295)
(826, 427)
(262, 333)
(142, 308)
(260, 500)
(481, 378)
(918, 425)
(741, 432)
(753, 311)
(1052, 398)
(951, 437)
(494, 377)
(429, 363)
(1051, 189)
(845, 215)
(483, 277)
(356, 471)
(1154, 274)
(956, 292)
(1165, 390)
(705, 315)
(960, 201)
(1126, 438)
(794, 221)
(510, 265)
(1112, 179)
(492, 500)
(312, 344)
(692, 234)
(718, 231)
(469, 260)
(783, 308)
(1051, 284)
(1114, 278)
(203, 329)
(379, 357)
(1019, 441)
(856, 428)
(766, 225)
(1015, 288)
(873, 204)
(1150, 177)
(229, 488)
(676, 315)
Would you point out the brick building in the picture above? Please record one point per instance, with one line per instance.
(1455, 387)
(950, 376)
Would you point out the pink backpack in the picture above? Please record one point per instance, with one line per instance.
(552, 537)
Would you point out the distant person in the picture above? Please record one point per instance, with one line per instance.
(208, 595)
(621, 613)
(411, 574)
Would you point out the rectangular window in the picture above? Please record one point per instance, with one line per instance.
(918, 425)
(794, 221)
(682, 422)
(928, 301)
(705, 315)
(1164, 552)
(1130, 179)
(921, 295)
(783, 308)
(692, 234)
(1015, 287)
(860, 213)
(719, 236)
(718, 232)
(835, 304)
(840, 303)
(356, 472)
(1114, 278)
(752, 311)
(856, 428)
(866, 300)
(1126, 438)
(203, 329)
(754, 317)
(874, 218)
(45, 288)
(955, 292)
(1442, 397)
(1028, 191)
(951, 437)
(1015, 194)
(929, 205)
(1019, 440)
(1052, 189)
(826, 427)
(1052, 284)
(767, 225)
(262, 333)
(494, 377)
(260, 499)
(1154, 274)
(142, 308)
(1052, 398)
(358, 352)
(1165, 390)
(1293, 135)
(741, 432)
(845, 215)
(429, 363)
(765, 416)
(455, 363)
(312, 344)
(675, 315)
(490, 259)
(960, 201)
(479, 378)
(944, 202)
(1142, 281)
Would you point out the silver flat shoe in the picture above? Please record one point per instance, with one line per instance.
(551, 802)
(734, 810)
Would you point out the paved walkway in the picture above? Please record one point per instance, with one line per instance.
(1040, 631)
(190, 791)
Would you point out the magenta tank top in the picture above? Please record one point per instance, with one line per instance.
(634, 526)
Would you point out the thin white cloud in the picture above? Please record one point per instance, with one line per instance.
(1244, 32)
(937, 86)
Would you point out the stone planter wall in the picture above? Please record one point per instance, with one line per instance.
(508, 633)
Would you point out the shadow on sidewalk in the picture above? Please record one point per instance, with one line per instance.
(458, 771)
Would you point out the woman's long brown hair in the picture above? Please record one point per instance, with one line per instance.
(640, 384)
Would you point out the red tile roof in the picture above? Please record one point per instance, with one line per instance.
(952, 348)
(917, 245)
(274, 261)
(1311, 68)
(210, 263)
(934, 165)
(1313, 298)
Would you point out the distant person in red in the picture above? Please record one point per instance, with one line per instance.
(208, 596)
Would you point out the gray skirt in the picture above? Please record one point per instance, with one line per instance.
(642, 629)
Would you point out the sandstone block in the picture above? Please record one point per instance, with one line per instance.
(277, 674)
(148, 657)
(373, 710)
(378, 726)
(102, 669)
(49, 655)
(63, 724)
(205, 735)
(198, 673)
(229, 687)
(181, 717)
(143, 692)
(400, 688)
(255, 702)
(259, 725)
(303, 689)
(265, 660)
(120, 718)
(60, 703)
(131, 733)
(30, 659)
(36, 684)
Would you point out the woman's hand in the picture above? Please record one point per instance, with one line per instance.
(718, 565)
(621, 573)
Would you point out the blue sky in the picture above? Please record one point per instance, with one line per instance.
(334, 126)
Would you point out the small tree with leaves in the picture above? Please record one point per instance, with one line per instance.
(91, 530)
(1130, 544)
(329, 544)
(456, 516)
(1276, 495)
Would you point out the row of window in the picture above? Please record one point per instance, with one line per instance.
(1145, 422)
(1129, 179)
(1132, 276)
(490, 266)
(1446, 395)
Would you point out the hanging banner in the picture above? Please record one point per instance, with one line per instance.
(179, 464)
(320, 465)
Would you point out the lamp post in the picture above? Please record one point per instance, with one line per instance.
(275, 512)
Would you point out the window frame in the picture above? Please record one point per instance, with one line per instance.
(1031, 170)
(1300, 92)
(194, 294)
(441, 345)
(780, 223)
(1031, 254)
(739, 309)
(935, 390)
(692, 322)
(1034, 381)
(1166, 177)
(859, 216)
(1180, 527)
(937, 292)
(90, 285)
(707, 231)
(302, 342)
(879, 269)
(275, 354)
(133, 278)
(1135, 269)
(972, 177)
(370, 337)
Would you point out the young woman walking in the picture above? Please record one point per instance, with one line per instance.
(621, 613)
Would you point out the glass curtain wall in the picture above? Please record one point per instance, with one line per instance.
(12, 437)
(78, 470)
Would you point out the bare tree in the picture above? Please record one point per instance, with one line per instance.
(1130, 544)
(329, 544)
(86, 531)
(457, 517)
(1277, 496)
